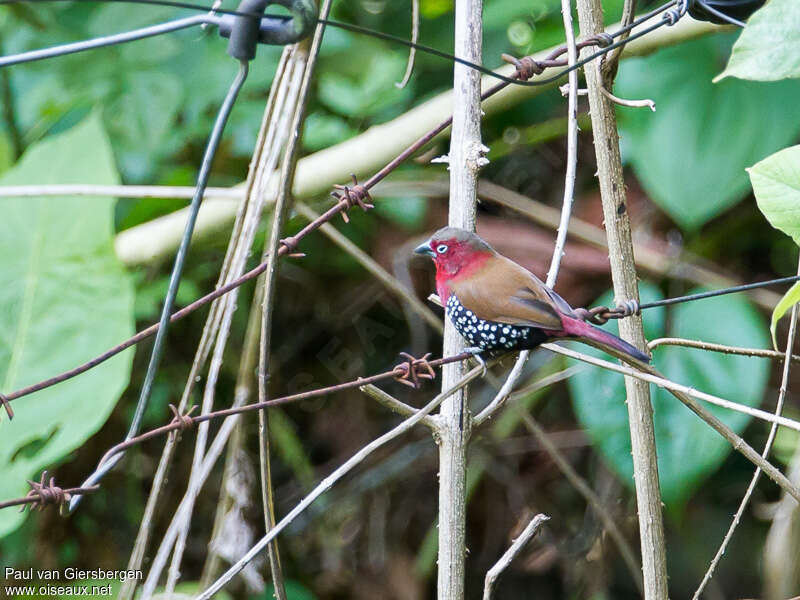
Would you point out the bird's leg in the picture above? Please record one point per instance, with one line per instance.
(476, 354)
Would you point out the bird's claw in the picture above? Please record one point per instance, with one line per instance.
(476, 354)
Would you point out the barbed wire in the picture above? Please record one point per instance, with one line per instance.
(410, 372)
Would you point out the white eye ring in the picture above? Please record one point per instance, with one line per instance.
(441, 248)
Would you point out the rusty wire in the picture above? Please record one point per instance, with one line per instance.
(44, 493)
(410, 372)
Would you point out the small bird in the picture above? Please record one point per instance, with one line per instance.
(496, 304)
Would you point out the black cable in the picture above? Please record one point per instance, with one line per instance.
(711, 294)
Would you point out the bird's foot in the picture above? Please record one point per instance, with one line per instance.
(476, 354)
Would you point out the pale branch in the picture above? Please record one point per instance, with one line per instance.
(592, 499)
(331, 479)
(572, 146)
(645, 103)
(711, 347)
(265, 163)
(395, 405)
(625, 280)
(787, 362)
(513, 551)
(687, 395)
(184, 508)
(466, 158)
(653, 376)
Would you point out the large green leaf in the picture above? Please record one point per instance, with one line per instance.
(64, 298)
(688, 450)
(690, 154)
(776, 185)
(769, 47)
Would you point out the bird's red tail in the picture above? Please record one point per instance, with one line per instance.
(597, 337)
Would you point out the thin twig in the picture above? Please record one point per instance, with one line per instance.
(331, 479)
(281, 210)
(760, 352)
(591, 497)
(243, 390)
(240, 245)
(787, 362)
(687, 395)
(412, 51)
(645, 103)
(513, 551)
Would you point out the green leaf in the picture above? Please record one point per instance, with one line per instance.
(690, 154)
(64, 298)
(776, 185)
(789, 299)
(769, 47)
(408, 212)
(688, 449)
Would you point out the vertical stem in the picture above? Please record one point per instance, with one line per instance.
(623, 271)
(281, 209)
(466, 157)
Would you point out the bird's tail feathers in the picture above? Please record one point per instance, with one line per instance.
(605, 341)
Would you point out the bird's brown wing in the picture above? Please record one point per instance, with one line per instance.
(503, 291)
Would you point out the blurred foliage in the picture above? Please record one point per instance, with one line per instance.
(688, 449)
(693, 131)
(157, 99)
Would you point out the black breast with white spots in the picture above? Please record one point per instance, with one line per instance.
(491, 335)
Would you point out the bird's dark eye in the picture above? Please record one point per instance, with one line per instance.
(441, 248)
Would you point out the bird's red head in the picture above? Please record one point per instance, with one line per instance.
(456, 253)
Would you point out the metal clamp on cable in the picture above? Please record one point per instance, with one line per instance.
(246, 32)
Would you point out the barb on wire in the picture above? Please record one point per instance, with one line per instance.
(44, 493)
(413, 369)
(355, 195)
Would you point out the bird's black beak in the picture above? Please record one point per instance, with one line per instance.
(425, 248)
